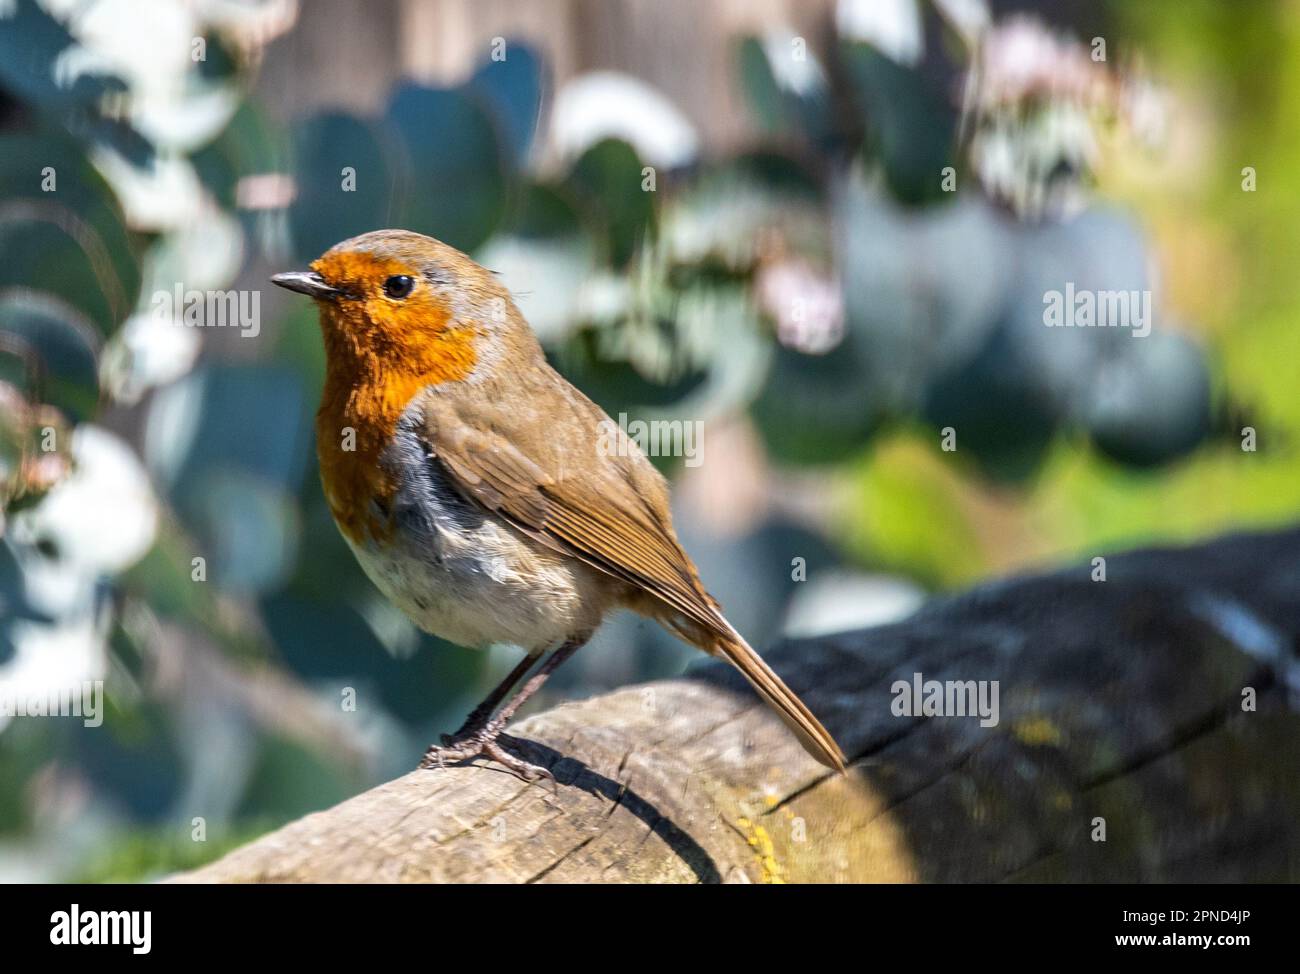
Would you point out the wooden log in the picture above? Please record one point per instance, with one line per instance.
(1124, 705)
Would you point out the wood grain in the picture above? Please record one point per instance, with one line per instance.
(1119, 700)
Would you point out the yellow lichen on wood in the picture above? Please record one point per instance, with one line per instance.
(764, 850)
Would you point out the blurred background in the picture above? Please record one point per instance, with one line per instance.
(821, 230)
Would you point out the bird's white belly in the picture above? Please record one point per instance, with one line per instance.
(479, 589)
(467, 576)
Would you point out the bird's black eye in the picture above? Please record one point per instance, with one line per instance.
(399, 286)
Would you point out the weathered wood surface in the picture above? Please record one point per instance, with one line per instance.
(1119, 700)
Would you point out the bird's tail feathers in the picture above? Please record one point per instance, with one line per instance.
(815, 738)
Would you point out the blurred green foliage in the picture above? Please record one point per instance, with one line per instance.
(692, 301)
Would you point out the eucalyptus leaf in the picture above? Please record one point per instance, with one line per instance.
(1101, 252)
(817, 409)
(246, 528)
(345, 183)
(228, 417)
(996, 412)
(1153, 405)
(911, 127)
(512, 88)
(607, 181)
(62, 231)
(457, 170)
(544, 256)
(923, 288)
(43, 64)
(63, 341)
(786, 87)
(32, 45)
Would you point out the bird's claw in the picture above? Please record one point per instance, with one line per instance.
(483, 742)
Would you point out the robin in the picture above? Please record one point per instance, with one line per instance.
(482, 493)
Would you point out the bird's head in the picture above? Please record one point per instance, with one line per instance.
(396, 302)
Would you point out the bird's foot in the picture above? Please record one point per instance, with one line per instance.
(484, 741)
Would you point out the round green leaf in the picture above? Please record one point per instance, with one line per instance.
(458, 184)
(345, 183)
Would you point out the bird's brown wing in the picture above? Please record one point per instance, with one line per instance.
(544, 470)
(608, 510)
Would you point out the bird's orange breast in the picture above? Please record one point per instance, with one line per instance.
(353, 428)
(366, 392)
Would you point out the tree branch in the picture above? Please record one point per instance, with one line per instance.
(1120, 701)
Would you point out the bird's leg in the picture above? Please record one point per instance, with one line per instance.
(484, 740)
(480, 714)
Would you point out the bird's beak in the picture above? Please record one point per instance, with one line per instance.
(305, 282)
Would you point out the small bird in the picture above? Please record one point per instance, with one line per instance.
(478, 488)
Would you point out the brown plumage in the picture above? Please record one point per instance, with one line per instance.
(451, 384)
